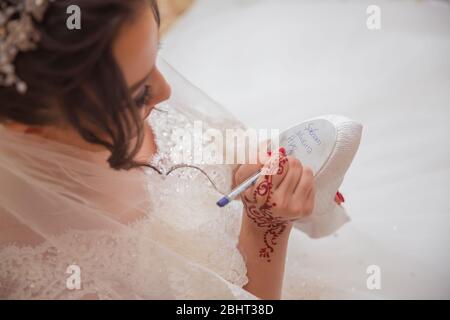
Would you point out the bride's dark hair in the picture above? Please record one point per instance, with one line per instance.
(73, 77)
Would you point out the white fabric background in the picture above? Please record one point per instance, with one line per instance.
(276, 62)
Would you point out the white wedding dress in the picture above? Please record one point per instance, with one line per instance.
(183, 247)
(61, 207)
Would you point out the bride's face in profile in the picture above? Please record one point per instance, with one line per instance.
(135, 50)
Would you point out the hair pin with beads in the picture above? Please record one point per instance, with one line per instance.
(18, 33)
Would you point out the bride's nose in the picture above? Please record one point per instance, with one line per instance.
(161, 89)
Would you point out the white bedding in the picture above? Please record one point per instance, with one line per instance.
(274, 63)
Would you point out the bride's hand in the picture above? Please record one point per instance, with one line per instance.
(270, 205)
(286, 195)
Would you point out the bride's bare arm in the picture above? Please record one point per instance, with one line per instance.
(269, 208)
(265, 277)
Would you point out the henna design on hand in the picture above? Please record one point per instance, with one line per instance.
(261, 214)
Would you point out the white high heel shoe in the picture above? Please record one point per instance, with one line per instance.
(328, 145)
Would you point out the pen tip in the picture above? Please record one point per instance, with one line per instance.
(223, 202)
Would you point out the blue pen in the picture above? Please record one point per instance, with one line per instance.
(240, 188)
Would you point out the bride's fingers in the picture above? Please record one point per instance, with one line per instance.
(292, 178)
(310, 201)
(277, 167)
(261, 190)
(305, 185)
(276, 178)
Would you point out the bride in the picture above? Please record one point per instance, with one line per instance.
(89, 205)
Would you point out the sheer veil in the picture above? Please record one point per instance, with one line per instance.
(64, 209)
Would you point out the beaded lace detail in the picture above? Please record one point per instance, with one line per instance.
(186, 203)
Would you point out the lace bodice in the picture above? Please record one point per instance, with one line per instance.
(186, 202)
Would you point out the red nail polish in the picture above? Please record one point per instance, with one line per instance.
(339, 198)
(269, 153)
(282, 151)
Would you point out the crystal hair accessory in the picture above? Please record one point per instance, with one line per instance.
(18, 34)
